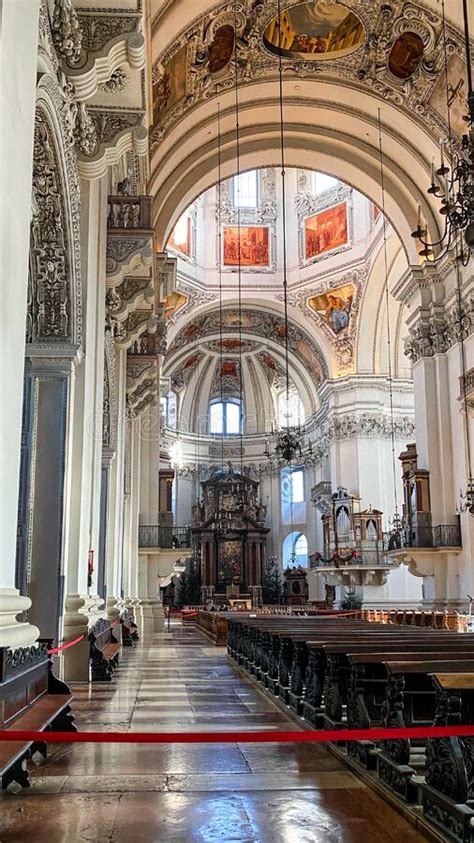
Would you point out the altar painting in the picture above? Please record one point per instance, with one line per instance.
(254, 246)
(326, 231)
(334, 306)
(230, 562)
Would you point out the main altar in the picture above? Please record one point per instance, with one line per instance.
(229, 527)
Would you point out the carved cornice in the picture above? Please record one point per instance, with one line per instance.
(115, 132)
(110, 39)
(436, 331)
(166, 274)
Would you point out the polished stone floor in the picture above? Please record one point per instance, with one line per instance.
(197, 793)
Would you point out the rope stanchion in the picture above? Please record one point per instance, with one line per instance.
(66, 646)
(313, 736)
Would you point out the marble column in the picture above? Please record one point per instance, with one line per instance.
(52, 389)
(83, 605)
(19, 24)
(118, 480)
(149, 496)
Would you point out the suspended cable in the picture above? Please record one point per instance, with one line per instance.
(387, 306)
(239, 252)
(219, 228)
(283, 195)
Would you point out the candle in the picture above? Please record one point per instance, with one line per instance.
(441, 146)
(432, 172)
(419, 217)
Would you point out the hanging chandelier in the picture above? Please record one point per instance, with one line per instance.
(286, 443)
(454, 186)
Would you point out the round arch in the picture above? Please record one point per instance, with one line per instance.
(295, 550)
(321, 133)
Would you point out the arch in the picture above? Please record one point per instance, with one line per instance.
(295, 550)
(326, 134)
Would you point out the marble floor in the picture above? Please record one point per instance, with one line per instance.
(198, 793)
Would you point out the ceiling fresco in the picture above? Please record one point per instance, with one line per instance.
(315, 31)
(267, 326)
(396, 50)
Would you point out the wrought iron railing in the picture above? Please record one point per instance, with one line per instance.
(155, 535)
(443, 535)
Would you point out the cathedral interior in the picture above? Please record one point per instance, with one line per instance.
(237, 368)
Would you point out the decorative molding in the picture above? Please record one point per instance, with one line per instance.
(66, 31)
(365, 68)
(55, 297)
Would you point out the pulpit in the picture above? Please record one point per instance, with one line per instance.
(229, 528)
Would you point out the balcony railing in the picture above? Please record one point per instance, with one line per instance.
(129, 212)
(443, 535)
(370, 559)
(165, 537)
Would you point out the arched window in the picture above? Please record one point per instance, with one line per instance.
(295, 550)
(245, 189)
(225, 417)
(290, 412)
(322, 182)
(168, 405)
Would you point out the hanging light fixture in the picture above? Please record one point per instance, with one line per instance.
(457, 190)
(286, 441)
(466, 499)
(395, 523)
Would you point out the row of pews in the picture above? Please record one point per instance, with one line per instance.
(33, 699)
(418, 617)
(338, 673)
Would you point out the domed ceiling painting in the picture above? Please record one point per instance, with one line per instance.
(314, 30)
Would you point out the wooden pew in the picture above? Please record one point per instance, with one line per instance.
(129, 629)
(448, 790)
(104, 651)
(411, 701)
(31, 699)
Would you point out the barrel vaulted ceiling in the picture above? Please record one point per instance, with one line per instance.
(395, 63)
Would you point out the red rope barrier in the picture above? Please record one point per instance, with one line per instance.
(313, 736)
(67, 645)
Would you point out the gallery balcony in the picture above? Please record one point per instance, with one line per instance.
(127, 213)
(424, 549)
(164, 537)
(371, 569)
(442, 537)
(166, 547)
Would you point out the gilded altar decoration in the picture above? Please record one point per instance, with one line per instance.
(314, 30)
(326, 231)
(334, 306)
(254, 248)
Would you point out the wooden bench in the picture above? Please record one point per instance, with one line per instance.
(129, 629)
(31, 699)
(104, 651)
(448, 790)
